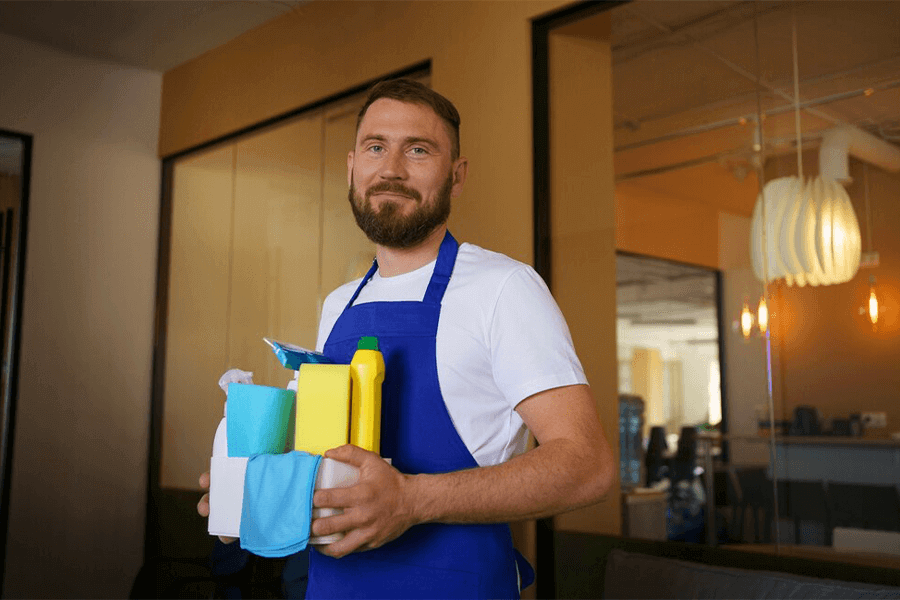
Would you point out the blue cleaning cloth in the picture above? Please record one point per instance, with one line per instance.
(277, 510)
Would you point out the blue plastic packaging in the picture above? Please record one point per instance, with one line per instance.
(291, 356)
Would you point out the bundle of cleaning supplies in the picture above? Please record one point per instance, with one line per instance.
(261, 491)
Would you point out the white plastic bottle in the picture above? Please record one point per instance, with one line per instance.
(220, 441)
(226, 485)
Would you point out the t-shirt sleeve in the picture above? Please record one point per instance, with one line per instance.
(531, 347)
(331, 310)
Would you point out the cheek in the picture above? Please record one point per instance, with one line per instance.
(362, 172)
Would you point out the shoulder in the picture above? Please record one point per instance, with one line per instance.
(332, 308)
(493, 274)
(479, 264)
(340, 296)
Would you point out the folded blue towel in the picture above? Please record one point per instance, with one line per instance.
(277, 510)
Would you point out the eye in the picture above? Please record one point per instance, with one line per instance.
(418, 151)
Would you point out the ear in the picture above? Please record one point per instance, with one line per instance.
(349, 168)
(460, 170)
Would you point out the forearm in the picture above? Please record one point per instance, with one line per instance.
(555, 477)
(572, 467)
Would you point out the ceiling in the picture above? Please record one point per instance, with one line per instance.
(684, 77)
(686, 97)
(684, 71)
(688, 81)
(658, 293)
(148, 34)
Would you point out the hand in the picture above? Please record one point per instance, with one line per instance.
(203, 505)
(377, 509)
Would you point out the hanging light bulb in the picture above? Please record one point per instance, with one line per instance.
(873, 302)
(746, 321)
(762, 316)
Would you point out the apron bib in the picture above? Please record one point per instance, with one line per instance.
(432, 560)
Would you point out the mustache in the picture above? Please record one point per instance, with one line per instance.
(393, 187)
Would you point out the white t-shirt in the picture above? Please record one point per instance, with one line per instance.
(501, 338)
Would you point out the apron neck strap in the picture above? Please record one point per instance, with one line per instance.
(443, 268)
(362, 283)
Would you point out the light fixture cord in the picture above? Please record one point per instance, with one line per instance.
(868, 210)
(797, 94)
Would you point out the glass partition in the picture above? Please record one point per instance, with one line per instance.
(713, 103)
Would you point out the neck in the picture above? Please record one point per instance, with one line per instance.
(397, 261)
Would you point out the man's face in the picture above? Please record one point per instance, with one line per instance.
(405, 175)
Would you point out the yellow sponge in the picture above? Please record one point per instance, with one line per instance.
(323, 407)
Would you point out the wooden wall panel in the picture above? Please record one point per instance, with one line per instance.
(196, 343)
(275, 246)
(346, 252)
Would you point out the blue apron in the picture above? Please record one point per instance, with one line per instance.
(431, 560)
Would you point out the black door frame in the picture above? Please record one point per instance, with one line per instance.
(11, 333)
(545, 551)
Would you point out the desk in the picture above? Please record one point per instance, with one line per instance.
(840, 460)
(835, 459)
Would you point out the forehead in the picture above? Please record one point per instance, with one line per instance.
(389, 118)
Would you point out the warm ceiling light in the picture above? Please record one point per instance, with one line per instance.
(746, 321)
(873, 302)
(762, 316)
(812, 235)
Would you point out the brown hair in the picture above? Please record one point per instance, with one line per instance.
(413, 92)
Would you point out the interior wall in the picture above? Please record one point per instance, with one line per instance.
(647, 382)
(829, 356)
(744, 368)
(79, 473)
(824, 353)
(665, 225)
(480, 56)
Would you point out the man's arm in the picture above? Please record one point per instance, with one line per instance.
(572, 467)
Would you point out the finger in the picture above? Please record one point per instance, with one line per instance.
(204, 481)
(226, 540)
(340, 497)
(331, 498)
(333, 524)
(352, 541)
(203, 506)
(349, 454)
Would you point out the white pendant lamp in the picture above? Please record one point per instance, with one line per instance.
(811, 233)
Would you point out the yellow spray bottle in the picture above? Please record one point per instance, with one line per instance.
(366, 376)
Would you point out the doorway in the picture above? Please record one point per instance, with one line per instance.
(667, 337)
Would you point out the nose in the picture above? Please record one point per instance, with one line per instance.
(393, 166)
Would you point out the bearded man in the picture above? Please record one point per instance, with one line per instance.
(477, 354)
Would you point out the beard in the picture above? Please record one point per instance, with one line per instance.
(387, 226)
